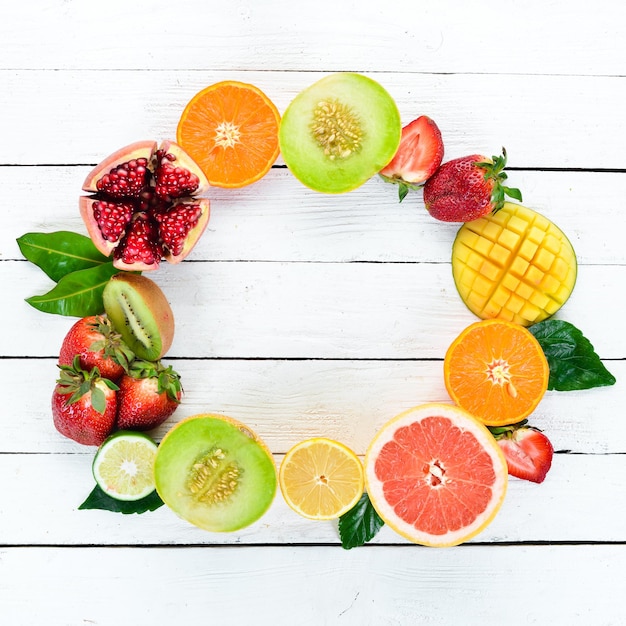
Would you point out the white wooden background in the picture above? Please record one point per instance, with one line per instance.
(303, 314)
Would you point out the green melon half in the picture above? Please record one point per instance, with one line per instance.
(339, 132)
(215, 473)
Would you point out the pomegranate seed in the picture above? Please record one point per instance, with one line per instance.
(173, 182)
(175, 224)
(140, 243)
(126, 180)
(112, 218)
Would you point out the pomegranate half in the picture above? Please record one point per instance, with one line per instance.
(143, 205)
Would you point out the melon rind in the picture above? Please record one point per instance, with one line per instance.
(380, 122)
(463, 420)
(190, 439)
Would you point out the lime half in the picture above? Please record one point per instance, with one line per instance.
(124, 465)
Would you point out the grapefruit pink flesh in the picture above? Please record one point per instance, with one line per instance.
(436, 475)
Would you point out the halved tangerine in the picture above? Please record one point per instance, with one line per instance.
(436, 475)
(231, 130)
(497, 371)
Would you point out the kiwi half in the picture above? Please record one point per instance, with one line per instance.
(339, 132)
(215, 473)
(140, 312)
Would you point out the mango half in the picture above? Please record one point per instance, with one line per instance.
(514, 265)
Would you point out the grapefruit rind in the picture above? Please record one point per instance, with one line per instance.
(462, 420)
(290, 497)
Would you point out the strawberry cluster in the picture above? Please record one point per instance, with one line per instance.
(104, 387)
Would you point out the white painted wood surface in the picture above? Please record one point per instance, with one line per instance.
(303, 314)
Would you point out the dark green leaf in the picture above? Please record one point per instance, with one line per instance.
(78, 294)
(60, 253)
(98, 499)
(359, 524)
(571, 357)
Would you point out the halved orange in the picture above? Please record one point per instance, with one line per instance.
(321, 478)
(497, 371)
(231, 130)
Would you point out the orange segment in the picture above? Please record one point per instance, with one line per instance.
(497, 371)
(321, 478)
(231, 130)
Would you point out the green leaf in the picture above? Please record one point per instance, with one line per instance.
(77, 294)
(98, 499)
(513, 192)
(60, 253)
(573, 362)
(359, 524)
(403, 190)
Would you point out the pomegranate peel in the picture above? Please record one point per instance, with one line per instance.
(143, 205)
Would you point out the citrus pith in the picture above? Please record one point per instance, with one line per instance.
(435, 475)
(321, 478)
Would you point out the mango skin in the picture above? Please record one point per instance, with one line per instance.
(514, 265)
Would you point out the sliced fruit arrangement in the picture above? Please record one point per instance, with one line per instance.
(339, 132)
(436, 475)
(104, 385)
(215, 473)
(231, 130)
(497, 371)
(514, 265)
(142, 207)
(321, 478)
(419, 155)
(467, 188)
(123, 467)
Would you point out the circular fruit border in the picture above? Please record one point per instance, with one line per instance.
(145, 203)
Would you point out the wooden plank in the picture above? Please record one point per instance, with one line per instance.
(550, 126)
(439, 37)
(278, 219)
(313, 310)
(581, 500)
(288, 401)
(386, 586)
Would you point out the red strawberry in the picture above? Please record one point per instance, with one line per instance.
(97, 344)
(528, 451)
(148, 395)
(417, 158)
(465, 189)
(84, 404)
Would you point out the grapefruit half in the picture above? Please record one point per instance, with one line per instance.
(436, 475)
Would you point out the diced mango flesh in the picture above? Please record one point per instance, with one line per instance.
(515, 265)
